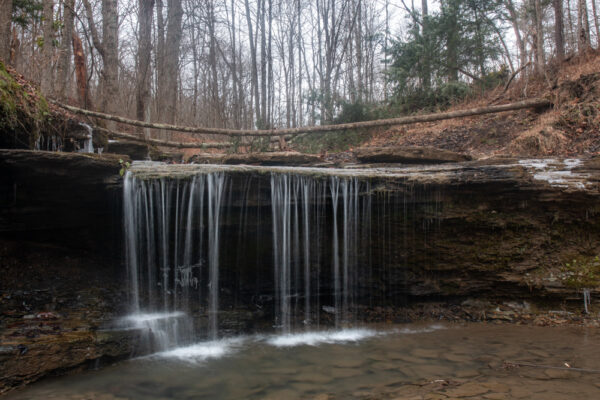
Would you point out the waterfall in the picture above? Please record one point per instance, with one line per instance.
(215, 195)
(204, 245)
(586, 300)
(167, 260)
(292, 195)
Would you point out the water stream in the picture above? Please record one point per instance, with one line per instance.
(391, 362)
(247, 282)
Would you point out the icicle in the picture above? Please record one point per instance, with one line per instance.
(586, 300)
(88, 146)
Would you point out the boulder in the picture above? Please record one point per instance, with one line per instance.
(171, 157)
(290, 158)
(135, 150)
(409, 155)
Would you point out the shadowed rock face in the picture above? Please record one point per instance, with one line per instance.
(494, 230)
(273, 158)
(497, 229)
(60, 256)
(135, 150)
(409, 155)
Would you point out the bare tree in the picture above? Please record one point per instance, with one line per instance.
(583, 27)
(596, 24)
(171, 62)
(5, 29)
(81, 73)
(254, 63)
(108, 48)
(144, 58)
(425, 33)
(538, 36)
(64, 60)
(47, 78)
(559, 40)
(514, 20)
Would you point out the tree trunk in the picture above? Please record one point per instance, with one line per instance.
(595, 15)
(217, 121)
(514, 20)
(263, 65)
(110, 68)
(270, 81)
(452, 43)
(171, 54)
(572, 33)
(425, 25)
(539, 37)
(47, 78)
(15, 48)
(559, 38)
(299, 44)
(144, 58)
(64, 62)
(583, 27)
(5, 29)
(531, 103)
(81, 72)
(254, 62)
(160, 60)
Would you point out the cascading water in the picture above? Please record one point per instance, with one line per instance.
(199, 241)
(168, 260)
(295, 202)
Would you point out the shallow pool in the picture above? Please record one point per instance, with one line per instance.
(372, 362)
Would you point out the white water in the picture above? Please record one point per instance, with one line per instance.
(88, 146)
(316, 338)
(296, 205)
(203, 351)
(162, 329)
(164, 222)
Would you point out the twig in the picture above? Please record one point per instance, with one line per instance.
(525, 364)
(514, 74)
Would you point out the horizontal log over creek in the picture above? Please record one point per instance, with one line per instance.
(199, 262)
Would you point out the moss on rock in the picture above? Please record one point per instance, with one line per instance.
(24, 112)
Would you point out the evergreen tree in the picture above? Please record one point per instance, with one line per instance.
(459, 40)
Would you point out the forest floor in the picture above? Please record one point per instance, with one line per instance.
(570, 128)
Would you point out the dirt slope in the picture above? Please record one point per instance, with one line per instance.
(571, 128)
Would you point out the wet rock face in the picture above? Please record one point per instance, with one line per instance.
(499, 229)
(60, 257)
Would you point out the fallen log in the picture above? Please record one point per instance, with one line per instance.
(165, 143)
(531, 103)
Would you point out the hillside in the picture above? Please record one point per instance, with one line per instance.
(571, 128)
